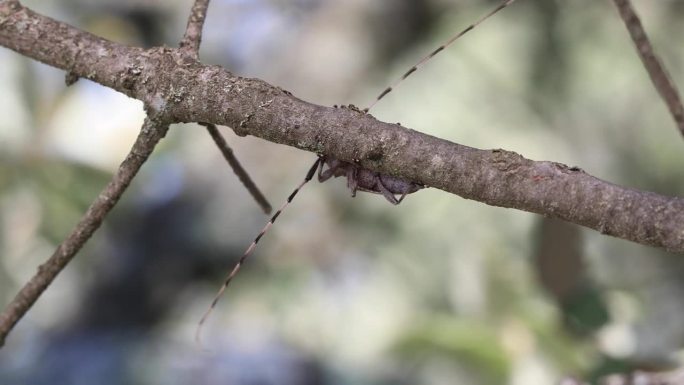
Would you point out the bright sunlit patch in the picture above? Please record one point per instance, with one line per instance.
(94, 126)
(618, 340)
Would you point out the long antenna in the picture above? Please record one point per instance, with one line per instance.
(439, 49)
(251, 247)
(319, 162)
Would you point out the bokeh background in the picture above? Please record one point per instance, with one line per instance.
(438, 290)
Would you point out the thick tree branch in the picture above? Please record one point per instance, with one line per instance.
(150, 134)
(187, 91)
(657, 72)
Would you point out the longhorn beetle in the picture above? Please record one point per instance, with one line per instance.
(358, 178)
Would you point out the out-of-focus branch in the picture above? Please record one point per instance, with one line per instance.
(237, 167)
(674, 377)
(187, 91)
(150, 134)
(656, 70)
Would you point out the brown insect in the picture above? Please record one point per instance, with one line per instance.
(358, 178)
(361, 179)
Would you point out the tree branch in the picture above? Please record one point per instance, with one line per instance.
(237, 167)
(187, 91)
(190, 45)
(656, 71)
(193, 32)
(150, 134)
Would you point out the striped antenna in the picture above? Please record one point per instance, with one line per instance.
(251, 247)
(319, 162)
(439, 49)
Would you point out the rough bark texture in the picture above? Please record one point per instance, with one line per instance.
(183, 89)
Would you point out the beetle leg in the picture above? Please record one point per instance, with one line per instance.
(403, 194)
(353, 179)
(327, 174)
(387, 193)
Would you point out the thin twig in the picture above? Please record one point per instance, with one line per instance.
(150, 134)
(237, 168)
(193, 32)
(190, 45)
(656, 70)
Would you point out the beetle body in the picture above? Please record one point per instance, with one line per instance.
(361, 179)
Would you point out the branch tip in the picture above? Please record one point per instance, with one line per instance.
(653, 65)
(241, 173)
